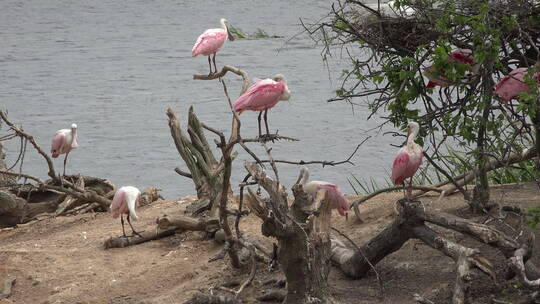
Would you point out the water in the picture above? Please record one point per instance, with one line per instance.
(114, 67)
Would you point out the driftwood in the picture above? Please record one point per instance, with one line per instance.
(166, 226)
(303, 234)
(200, 298)
(513, 239)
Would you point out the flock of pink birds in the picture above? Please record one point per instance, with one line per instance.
(266, 93)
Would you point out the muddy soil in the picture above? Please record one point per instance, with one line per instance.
(62, 260)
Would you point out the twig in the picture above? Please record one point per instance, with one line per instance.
(251, 273)
(356, 203)
(418, 298)
(224, 70)
(30, 138)
(449, 177)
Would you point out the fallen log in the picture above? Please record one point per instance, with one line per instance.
(122, 241)
(166, 226)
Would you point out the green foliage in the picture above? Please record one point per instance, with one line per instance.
(535, 214)
(258, 34)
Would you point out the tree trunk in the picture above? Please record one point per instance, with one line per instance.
(303, 234)
(481, 189)
(205, 170)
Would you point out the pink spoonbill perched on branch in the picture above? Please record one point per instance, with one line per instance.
(339, 201)
(438, 77)
(513, 84)
(408, 159)
(125, 200)
(211, 41)
(262, 96)
(63, 142)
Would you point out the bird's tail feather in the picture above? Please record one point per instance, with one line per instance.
(341, 203)
(131, 206)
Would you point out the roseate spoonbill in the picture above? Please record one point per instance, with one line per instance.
(211, 41)
(125, 200)
(63, 142)
(338, 201)
(437, 77)
(513, 84)
(263, 95)
(408, 159)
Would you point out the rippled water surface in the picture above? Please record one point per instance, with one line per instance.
(114, 67)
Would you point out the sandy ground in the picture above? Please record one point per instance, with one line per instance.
(62, 260)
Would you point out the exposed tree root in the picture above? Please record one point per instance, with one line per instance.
(200, 298)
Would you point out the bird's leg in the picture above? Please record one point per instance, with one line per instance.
(210, 65)
(259, 119)
(134, 232)
(214, 61)
(65, 160)
(122, 221)
(409, 190)
(266, 124)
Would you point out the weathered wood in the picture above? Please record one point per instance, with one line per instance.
(210, 225)
(13, 209)
(200, 298)
(166, 226)
(303, 234)
(202, 164)
(121, 242)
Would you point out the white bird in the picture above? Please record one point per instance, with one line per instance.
(125, 200)
(337, 198)
(63, 142)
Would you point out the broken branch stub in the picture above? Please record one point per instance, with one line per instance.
(303, 234)
(205, 170)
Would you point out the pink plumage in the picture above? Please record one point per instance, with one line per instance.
(125, 200)
(338, 200)
(405, 166)
(209, 42)
(261, 96)
(437, 77)
(408, 159)
(63, 142)
(513, 84)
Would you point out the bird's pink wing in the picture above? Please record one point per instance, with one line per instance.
(339, 200)
(261, 96)
(511, 85)
(117, 204)
(209, 42)
(399, 167)
(57, 143)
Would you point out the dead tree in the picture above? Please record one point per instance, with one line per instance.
(515, 244)
(205, 171)
(303, 234)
